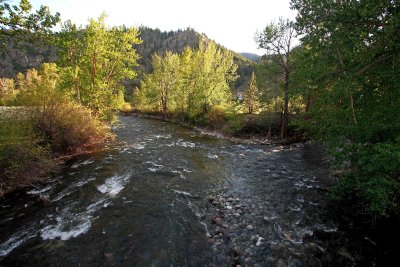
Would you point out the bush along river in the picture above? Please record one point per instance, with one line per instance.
(164, 195)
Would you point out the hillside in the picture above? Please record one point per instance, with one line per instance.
(156, 41)
(251, 56)
(20, 56)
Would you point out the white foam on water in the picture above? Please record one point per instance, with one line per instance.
(52, 232)
(180, 174)
(138, 146)
(154, 164)
(71, 189)
(299, 184)
(15, 241)
(307, 232)
(212, 156)
(300, 199)
(83, 163)
(114, 184)
(326, 229)
(125, 149)
(155, 167)
(39, 191)
(296, 208)
(70, 224)
(162, 136)
(270, 218)
(185, 144)
(183, 193)
(206, 229)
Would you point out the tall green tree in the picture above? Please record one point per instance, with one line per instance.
(277, 39)
(251, 95)
(160, 87)
(213, 72)
(97, 59)
(354, 54)
(190, 83)
(186, 86)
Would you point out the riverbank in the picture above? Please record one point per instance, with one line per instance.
(34, 144)
(239, 135)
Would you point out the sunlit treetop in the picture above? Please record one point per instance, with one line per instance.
(21, 19)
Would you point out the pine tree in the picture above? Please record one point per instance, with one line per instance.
(251, 95)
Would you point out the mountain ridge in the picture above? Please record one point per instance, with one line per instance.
(18, 56)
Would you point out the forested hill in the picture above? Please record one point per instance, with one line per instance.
(19, 56)
(156, 41)
(251, 56)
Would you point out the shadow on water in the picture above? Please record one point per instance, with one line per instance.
(143, 201)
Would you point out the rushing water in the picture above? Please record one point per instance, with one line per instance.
(143, 201)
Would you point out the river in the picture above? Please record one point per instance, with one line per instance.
(164, 195)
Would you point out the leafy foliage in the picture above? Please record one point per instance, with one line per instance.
(22, 159)
(17, 19)
(277, 39)
(251, 95)
(352, 50)
(7, 91)
(46, 125)
(95, 61)
(190, 83)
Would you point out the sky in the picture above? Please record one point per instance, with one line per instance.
(232, 23)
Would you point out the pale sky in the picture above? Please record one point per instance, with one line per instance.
(232, 23)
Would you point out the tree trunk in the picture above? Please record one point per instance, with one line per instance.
(285, 117)
(164, 107)
(269, 134)
(93, 75)
(352, 109)
(78, 91)
(308, 103)
(205, 107)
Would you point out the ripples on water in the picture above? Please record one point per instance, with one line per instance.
(143, 200)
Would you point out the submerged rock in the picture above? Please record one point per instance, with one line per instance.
(259, 241)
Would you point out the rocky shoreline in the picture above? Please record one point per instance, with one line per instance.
(259, 140)
(247, 227)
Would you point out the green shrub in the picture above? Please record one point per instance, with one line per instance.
(22, 160)
(373, 178)
(47, 125)
(215, 117)
(234, 123)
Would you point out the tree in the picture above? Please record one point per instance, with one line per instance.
(96, 59)
(277, 39)
(186, 86)
(213, 72)
(19, 20)
(251, 95)
(191, 83)
(353, 58)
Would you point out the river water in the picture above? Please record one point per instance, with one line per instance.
(163, 195)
